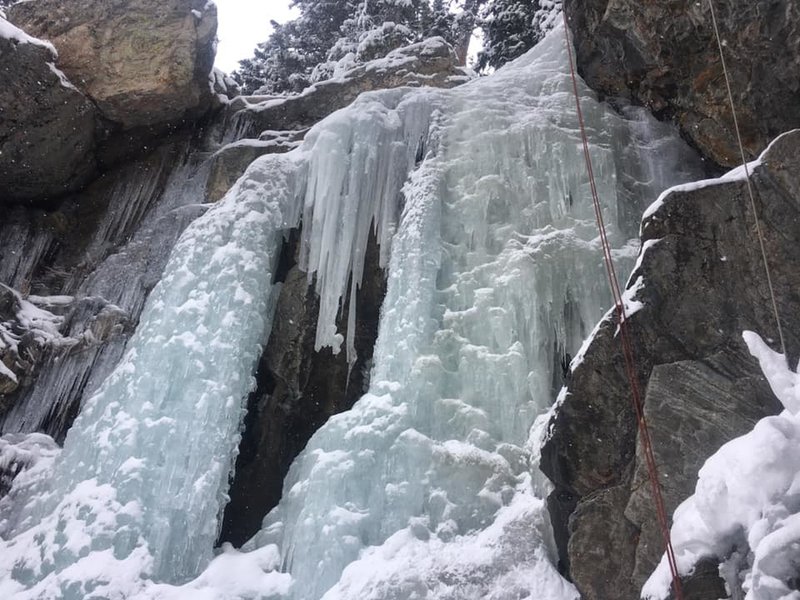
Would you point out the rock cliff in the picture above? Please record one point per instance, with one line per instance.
(112, 79)
(701, 282)
(663, 55)
(47, 126)
(142, 62)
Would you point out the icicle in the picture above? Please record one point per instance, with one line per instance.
(490, 269)
(358, 162)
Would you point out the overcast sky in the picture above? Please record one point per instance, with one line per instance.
(243, 24)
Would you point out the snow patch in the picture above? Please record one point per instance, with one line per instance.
(11, 32)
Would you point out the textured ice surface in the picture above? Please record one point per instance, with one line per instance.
(495, 270)
(427, 488)
(143, 473)
(142, 223)
(745, 510)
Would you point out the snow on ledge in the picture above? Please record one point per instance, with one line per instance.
(11, 32)
(736, 174)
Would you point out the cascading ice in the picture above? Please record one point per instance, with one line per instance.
(138, 487)
(425, 489)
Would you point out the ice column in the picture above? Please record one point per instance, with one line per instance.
(142, 477)
(424, 487)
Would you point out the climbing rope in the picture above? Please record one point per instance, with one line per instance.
(759, 234)
(627, 348)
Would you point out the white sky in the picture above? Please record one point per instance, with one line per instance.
(243, 24)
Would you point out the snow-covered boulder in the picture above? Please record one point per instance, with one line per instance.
(34, 329)
(47, 126)
(143, 62)
(745, 511)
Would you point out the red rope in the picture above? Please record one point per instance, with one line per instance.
(627, 348)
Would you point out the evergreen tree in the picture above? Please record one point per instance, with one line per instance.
(512, 27)
(284, 63)
(333, 35)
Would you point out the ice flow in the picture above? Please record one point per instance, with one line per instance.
(428, 487)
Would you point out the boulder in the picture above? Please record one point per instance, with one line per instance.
(47, 127)
(143, 62)
(663, 54)
(703, 284)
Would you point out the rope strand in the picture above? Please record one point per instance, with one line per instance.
(749, 184)
(627, 347)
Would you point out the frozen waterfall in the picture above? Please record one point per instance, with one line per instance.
(428, 487)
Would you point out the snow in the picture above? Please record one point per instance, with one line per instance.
(428, 486)
(28, 319)
(11, 32)
(745, 510)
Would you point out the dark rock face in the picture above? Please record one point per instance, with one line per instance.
(663, 54)
(704, 284)
(299, 389)
(88, 265)
(128, 74)
(47, 127)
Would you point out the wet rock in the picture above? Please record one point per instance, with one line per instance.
(598, 569)
(142, 62)
(704, 284)
(663, 54)
(47, 126)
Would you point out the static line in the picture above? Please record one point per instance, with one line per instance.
(749, 184)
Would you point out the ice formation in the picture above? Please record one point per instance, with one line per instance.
(142, 477)
(745, 511)
(428, 487)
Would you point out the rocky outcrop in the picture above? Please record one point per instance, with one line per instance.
(228, 163)
(34, 326)
(703, 284)
(143, 62)
(122, 75)
(47, 127)
(429, 63)
(663, 54)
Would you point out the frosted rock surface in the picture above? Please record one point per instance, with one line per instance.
(424, 489)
